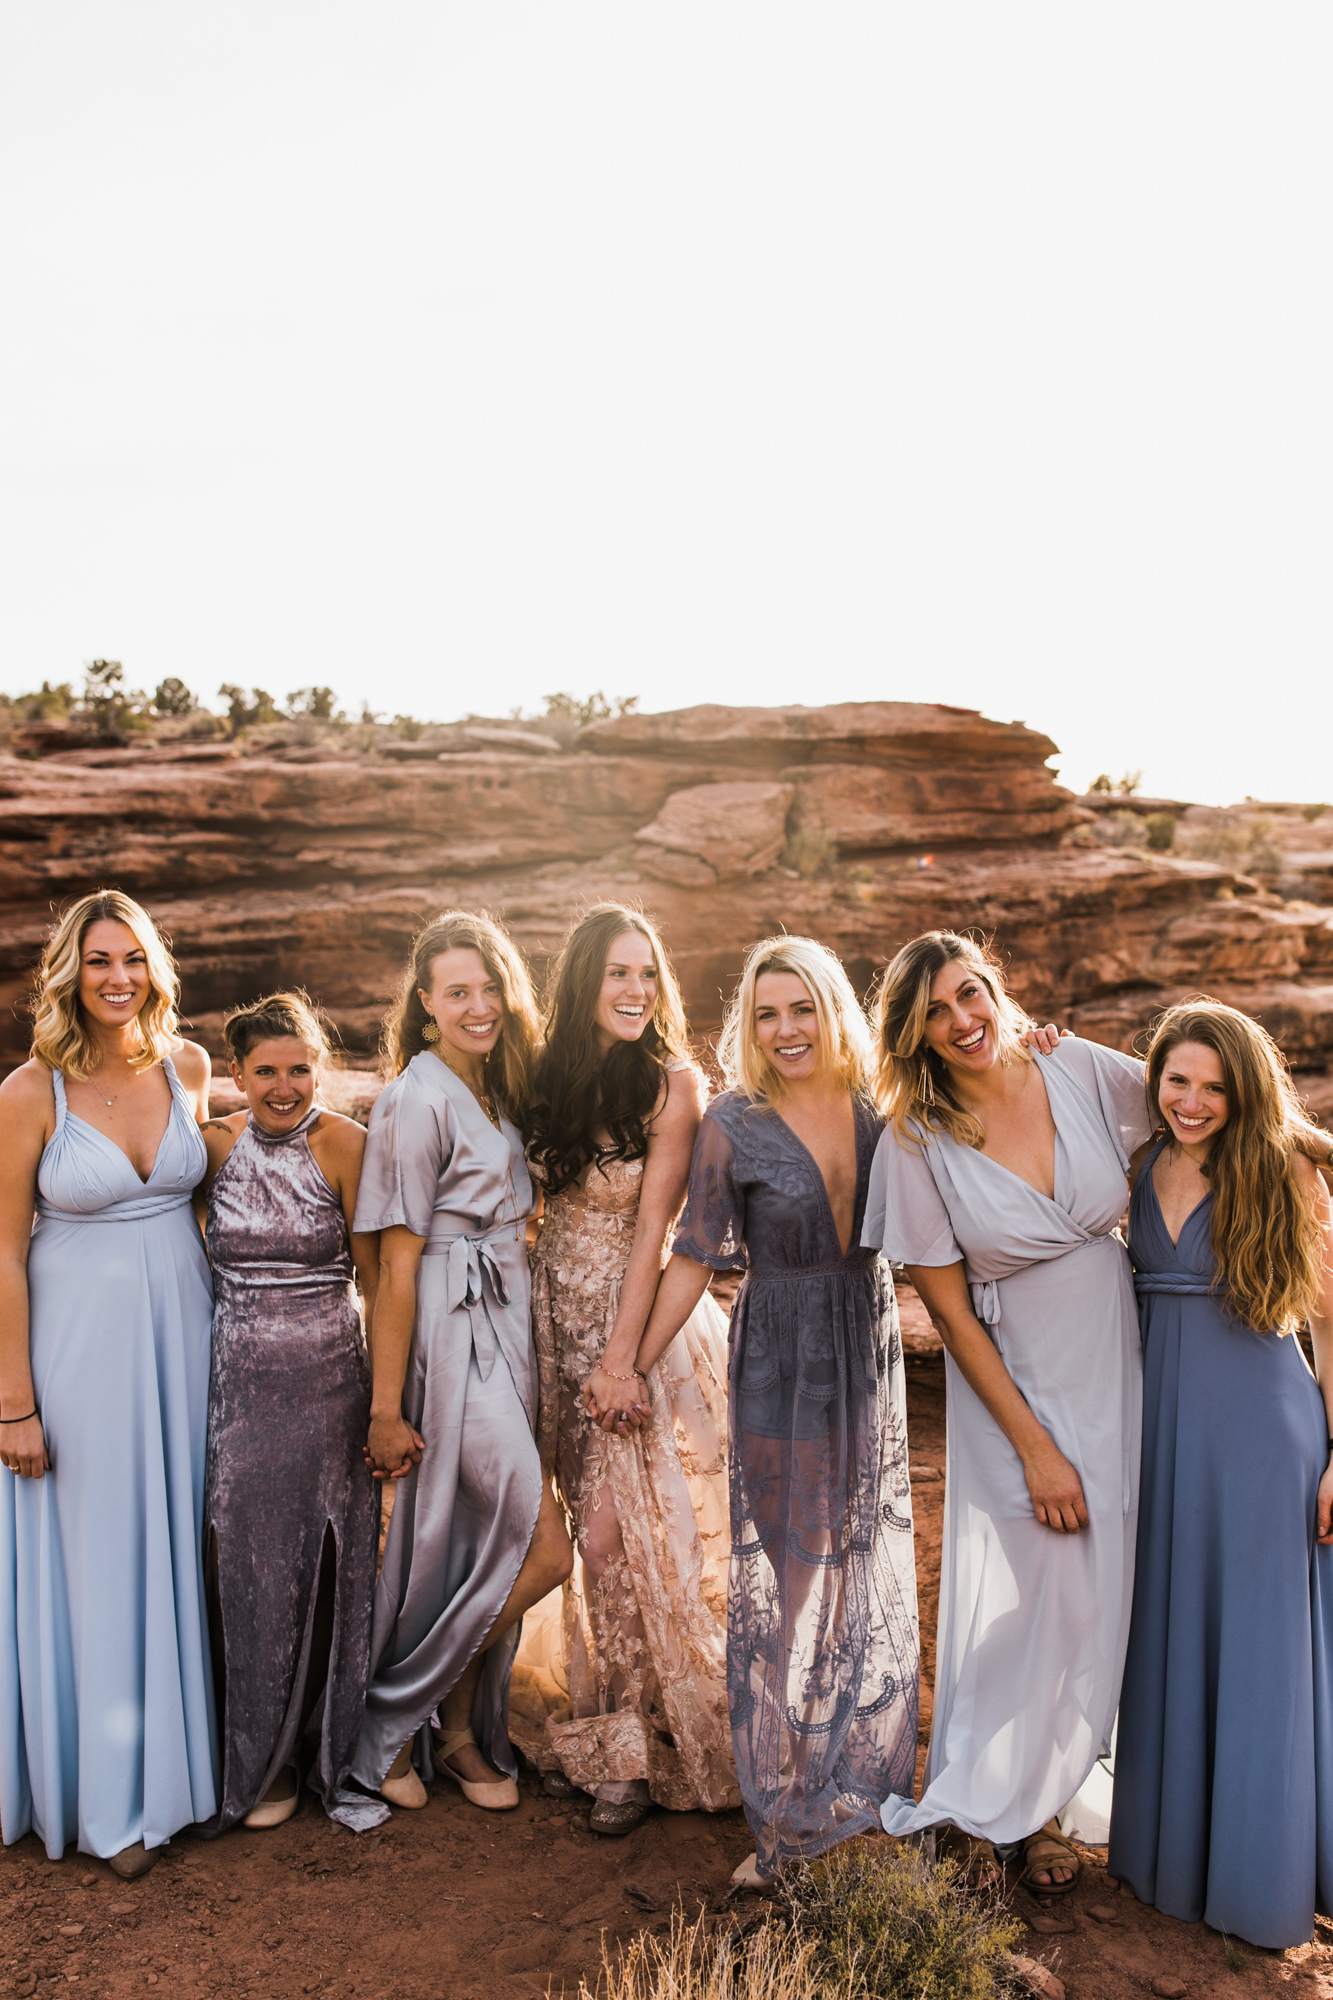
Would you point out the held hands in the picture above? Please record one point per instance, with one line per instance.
(1056, 1490)
(23, 1448)
(393, 1447)
(615, 1405)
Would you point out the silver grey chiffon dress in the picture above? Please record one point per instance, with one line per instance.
(822, 1650)
(288, 1411)
(463, 1518)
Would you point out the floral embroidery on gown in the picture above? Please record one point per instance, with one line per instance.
(634, 1670)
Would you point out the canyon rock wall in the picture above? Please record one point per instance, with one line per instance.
(862, 823)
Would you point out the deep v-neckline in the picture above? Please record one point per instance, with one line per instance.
(818, 1171)
(1014, 1175)
(88, 1126)
(1202, 1202)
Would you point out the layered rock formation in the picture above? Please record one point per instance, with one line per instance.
(862, 823)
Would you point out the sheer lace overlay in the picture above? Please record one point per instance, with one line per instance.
(630, 1681)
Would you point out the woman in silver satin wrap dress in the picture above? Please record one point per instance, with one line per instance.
(291, 1513)
(475, 1537)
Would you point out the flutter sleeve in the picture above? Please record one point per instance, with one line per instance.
(906, 1216)
(408, 1146)
(712, 1224)
(1117, 1083)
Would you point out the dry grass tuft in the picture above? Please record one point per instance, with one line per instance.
(768, 1963)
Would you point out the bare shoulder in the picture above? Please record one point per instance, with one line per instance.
(341, 1138)
(220, 1135)
(1308, 1176)
(27, 1096)
(686, 1090)
(1138, 1160)
(192, 1065)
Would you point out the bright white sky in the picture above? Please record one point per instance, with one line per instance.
(452, 354)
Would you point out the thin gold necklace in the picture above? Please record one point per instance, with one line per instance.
(486, 1102)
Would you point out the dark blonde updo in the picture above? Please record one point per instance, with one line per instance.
(274, 1018)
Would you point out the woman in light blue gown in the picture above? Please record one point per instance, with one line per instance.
(106, 1701)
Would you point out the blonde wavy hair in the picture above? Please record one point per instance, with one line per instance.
(844, 1036)
(508, 1069)
(1267, 1243)
(912, 1083)
(60, 1037)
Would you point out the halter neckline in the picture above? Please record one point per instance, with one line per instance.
(282, 1138)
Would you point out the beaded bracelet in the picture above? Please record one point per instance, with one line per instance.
(634, 1375)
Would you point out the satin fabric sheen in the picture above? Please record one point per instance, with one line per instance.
(106, 1697)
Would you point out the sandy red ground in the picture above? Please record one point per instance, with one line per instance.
(465, 1905)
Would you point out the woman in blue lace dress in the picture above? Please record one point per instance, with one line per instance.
(822, 1654)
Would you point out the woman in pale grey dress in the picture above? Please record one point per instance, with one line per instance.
(106, 1695)
(292, 1513)
(476, 1536)
(1000, 1183)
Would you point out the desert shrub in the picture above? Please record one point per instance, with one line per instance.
(407, 728)
(173, 697)
(1126, 785)
(808, 851)
(319, 703)
(1311, 813)
(768, 1963)
(1161, 831)
(886, 1924)
(1121, 829)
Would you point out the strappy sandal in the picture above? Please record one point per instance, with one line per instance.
(501, 1796)
(977, 1860)
(620, 1818)
(1044, 1850)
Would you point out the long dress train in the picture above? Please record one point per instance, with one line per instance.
(106, 1692)
(641, 1654)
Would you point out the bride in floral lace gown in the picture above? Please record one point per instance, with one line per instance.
(641, 1646)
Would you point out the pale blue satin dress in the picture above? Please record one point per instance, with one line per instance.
(464, 1518)
(106, 1698)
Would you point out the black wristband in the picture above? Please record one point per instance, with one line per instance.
(33, 1413)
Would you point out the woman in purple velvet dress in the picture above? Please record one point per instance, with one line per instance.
(291, 1511)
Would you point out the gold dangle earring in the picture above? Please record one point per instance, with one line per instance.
(431, 1031)
(926, 1091)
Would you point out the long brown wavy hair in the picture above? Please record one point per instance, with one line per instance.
(508, 1067)
(913, 1084)
(60, 1037)
(1267, 1242)
(581, 1090)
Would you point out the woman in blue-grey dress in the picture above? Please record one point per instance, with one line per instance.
(476, 1536)
(106, 1700)
(1223, 1803)
(822, 1654)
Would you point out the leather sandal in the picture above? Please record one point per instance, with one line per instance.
(977, 1860)
(1044, 1850)
(276, 1812)
(501, 1796)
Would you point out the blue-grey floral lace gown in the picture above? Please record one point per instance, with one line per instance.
(822, 1647)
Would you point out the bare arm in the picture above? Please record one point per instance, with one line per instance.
(27, 1119)
(220, 1135)
(683, 1285)
(196, 1074)
(393, 1446)
(1055, 1487)
(339, 1147)
(1321, 1339)
(666, 1173)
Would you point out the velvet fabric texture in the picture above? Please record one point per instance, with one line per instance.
(288, 1412)
(106, 1692)
(822, 1650)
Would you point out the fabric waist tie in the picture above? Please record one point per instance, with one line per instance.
(471, 1262)
(1181, 1284)
(986, 1291)
(850, 1267)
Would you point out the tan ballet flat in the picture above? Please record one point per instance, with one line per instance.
(405, 1790)
(276, 1812)
(502, 1796)
(747, 1876)
(132, 1862)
